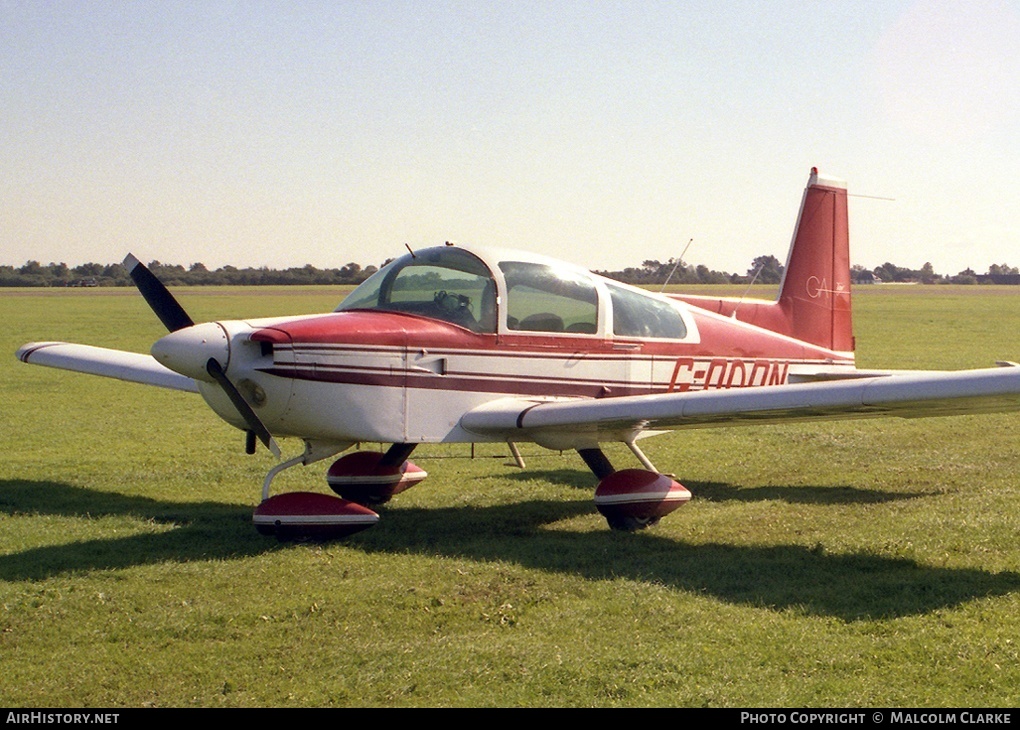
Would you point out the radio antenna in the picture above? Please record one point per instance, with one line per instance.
(744, 295)
(678, 262)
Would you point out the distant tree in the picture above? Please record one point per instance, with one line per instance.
(967, 276)
(928, 275)
(350, 274)
(891, 272)
(768, 269)
(89, 271)
(32, 274)
(706, 276)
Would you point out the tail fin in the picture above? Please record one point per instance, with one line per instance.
(815, 293)
(814, 297)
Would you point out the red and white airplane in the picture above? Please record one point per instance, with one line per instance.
(457, 344)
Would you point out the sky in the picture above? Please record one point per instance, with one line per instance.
(606, 133)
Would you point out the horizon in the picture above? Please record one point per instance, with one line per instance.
(366, 266)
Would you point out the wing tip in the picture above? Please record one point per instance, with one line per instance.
(25, 352)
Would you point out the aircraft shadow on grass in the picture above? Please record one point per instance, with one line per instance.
(200, 530)
(719, 492)
(847, 586)
(716, 492)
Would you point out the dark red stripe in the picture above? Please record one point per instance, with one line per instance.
(462, 384)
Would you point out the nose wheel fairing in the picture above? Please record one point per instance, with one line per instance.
(310, 515)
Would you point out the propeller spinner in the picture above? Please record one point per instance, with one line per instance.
(198, 351)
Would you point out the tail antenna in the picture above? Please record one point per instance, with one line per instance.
(748, 289)
(675, 265)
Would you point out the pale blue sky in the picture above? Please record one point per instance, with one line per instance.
(279, 134)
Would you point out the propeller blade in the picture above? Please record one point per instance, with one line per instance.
(247, 412)
(159, 298)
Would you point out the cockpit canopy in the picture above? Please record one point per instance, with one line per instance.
(537, 295)
(440, 283)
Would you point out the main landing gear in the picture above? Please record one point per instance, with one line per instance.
(360, 478)
(368, 477)
(629, 499)
(633, 499)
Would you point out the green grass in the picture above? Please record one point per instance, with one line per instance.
(852, 564)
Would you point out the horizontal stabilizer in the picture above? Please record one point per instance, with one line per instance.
(131, 366)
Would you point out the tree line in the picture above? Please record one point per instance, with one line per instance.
(35, 274)
(763, 270)
(769, 270)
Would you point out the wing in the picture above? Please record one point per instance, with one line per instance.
(911, 395)
(130, 366)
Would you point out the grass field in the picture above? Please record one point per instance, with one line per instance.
(842, 564)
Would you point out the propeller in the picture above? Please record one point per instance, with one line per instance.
(214, 368)
(174, 318)
(159, 298)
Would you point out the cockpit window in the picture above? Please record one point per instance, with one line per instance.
(448, 284)
(542, 298)
(638, 315)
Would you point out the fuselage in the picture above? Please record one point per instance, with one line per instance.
(440, 332)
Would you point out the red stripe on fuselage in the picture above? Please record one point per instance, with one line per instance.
(479, 384)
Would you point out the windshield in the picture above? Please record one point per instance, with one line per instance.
(441, 283)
